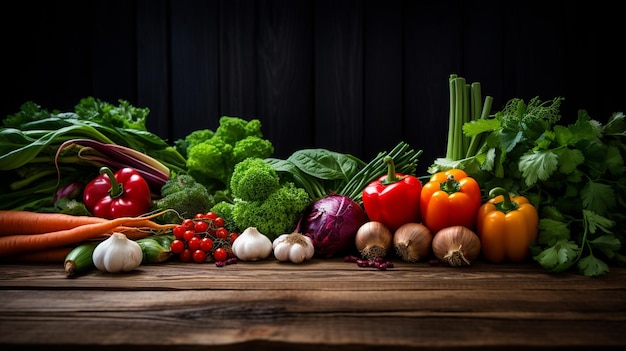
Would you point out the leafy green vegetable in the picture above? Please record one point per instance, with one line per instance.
(261, 201)
(253, 180)
(212, 155)
(573, 174)
(30, 138)
(184, 195)
(323, 172)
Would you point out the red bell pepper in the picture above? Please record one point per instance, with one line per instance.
(450, 198)
(123, 194)
(393, 199)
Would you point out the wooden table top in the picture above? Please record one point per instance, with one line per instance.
(323, 304)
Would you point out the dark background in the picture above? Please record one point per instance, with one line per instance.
(348, 75)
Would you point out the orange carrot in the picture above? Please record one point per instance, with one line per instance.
(54, 255)
(26, 222)
(137, 232)
(18, 244)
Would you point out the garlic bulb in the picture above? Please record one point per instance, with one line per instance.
(117, 254)
(294, 247)
(252, 245)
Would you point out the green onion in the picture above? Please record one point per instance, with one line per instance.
(404, 158)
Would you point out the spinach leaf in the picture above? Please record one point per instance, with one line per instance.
(326, 164)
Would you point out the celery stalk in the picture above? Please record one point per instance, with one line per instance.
(458, 118)
(478, 140)
(451, 117)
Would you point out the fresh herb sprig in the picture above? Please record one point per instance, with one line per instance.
(574, 174)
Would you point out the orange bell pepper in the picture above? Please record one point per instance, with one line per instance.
(450, 198)
(506, 227)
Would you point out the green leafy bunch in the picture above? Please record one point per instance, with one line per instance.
(261, 200)
(31, 138)
(574, 175)
(183, 195)
(124, 115)
(212, 155)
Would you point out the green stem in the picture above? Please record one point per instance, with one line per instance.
(116, 188)
(19, 184)
(392, 177)
(479, 139)
(507, 205)
(451, 117)
(465, 118)
(451, 185)
(458, 118)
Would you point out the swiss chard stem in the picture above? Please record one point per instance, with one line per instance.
(19, 184)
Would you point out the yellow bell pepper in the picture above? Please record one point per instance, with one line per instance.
(506, 226)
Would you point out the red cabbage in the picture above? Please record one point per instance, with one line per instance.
(332, 222)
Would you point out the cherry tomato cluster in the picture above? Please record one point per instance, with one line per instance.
(204, 239)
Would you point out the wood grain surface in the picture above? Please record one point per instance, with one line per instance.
(324, 304)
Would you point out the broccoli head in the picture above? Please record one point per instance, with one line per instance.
(233, 129)
(253, 180)
(210, 163)
(252, 146)
(278, 214)
(212, 156)
(184, 195)
(198, 136)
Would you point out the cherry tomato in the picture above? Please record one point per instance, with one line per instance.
(194, 243)
(201, 226)
(199, 256)
(188, 224)
(220, 254)
(177, 246)
(206, 244)
(221, 233)
(232, 237)
(219, 222)
(178, 231)
(185, 256)
(210, 215)
(199, 216)
(189, 233)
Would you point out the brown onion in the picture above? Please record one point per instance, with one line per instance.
(373, 240)
(412, 242)
(457, 246)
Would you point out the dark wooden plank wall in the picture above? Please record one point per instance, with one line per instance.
(355, 76)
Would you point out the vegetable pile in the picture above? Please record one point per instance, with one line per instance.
(573, 174)
(94, 189)
(42, 152)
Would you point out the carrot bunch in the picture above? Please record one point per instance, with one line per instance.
(48, 237)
